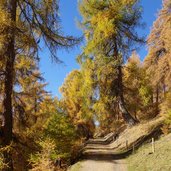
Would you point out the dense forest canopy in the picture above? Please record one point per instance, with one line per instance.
(112, 87)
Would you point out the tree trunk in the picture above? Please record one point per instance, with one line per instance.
(164, 90)
(35, 110)
(125, 114)
(8, 110)
(120, 93)
(157, 100)
(8, 85)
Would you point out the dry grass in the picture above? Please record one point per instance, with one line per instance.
(131, 135)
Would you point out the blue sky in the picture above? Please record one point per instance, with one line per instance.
(56, 73)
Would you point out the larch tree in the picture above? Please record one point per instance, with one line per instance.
(24, 23)
(132, 78)
(105, 101)
(28, 92)
(98, 90)
(138, 88)
(157, 61)
(76, 101)
(109, 27)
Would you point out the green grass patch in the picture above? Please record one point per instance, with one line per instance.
(145, 160)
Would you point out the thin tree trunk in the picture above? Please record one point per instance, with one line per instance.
(157, 100)
(35, 110)
(8, 85)
(164, 90)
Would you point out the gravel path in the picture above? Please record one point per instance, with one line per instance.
(100, 165)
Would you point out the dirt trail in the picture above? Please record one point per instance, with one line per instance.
(100, 161)
(100, 165)
(104, 155)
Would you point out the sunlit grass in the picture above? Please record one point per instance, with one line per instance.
(145, 160)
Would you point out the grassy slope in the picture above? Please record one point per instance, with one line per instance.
(143, 160)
